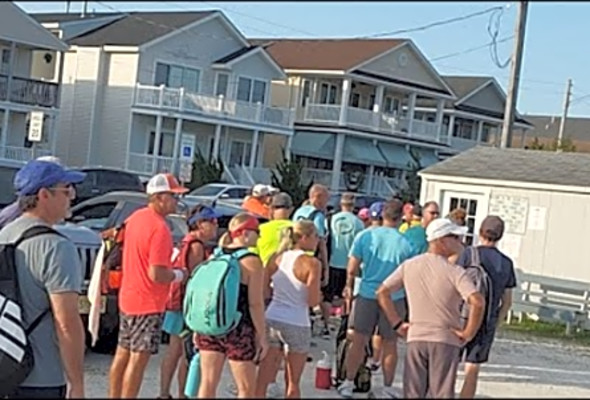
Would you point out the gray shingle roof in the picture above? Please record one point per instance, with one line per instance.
(547, 126)
(135, 29)
(463, 85)
(62, 17)
(533, 166)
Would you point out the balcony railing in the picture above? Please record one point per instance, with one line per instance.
(29, 91)
(367, 119)
(179, 100)
(149, 164)
(23, 154)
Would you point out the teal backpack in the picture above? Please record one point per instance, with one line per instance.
(210, 305)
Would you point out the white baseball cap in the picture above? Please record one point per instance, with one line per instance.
(162, 183)
(53, 159)
(442, 227)
(260, 190)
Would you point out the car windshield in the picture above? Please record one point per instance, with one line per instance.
(207, 190)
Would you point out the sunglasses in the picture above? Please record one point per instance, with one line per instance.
(456, 237)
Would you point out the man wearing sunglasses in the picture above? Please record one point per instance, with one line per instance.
(417, 234)
(147, 274)
(50, 277)
(434, 289)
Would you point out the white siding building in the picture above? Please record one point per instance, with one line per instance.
(543, 197)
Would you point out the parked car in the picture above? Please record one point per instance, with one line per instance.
(101, 180)
(213, 192)
(360, 201)
(8, 169)
(89, 218)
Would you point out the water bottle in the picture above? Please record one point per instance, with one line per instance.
(193, 378)
(323, 373)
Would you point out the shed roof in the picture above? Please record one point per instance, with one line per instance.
(517, 165)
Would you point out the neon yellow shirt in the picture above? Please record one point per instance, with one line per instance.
(405, 226)
(270, 238)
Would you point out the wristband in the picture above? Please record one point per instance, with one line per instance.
(178, 275)
(396, 326)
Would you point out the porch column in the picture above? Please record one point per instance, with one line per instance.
(337, 165)
(377, 106)
(346, 86)
(157, 141)
(5, 123)
(176, 149)
(10, 71)
(53, 138)
(479, 131)
(288, 147)
(216, 143)
(314, 91)
(451, 128)
(440, 112)
(254, 149)
(370, 180)
(411, 108)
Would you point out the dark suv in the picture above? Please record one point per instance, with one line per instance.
(360, 201)
(101, 180)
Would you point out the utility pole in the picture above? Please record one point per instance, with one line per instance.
(566, 107)
(510, 110)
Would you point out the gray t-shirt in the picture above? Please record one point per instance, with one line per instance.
(45, 264)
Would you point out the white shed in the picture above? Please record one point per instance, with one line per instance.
(543, 197)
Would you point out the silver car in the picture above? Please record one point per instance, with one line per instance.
(212, 192)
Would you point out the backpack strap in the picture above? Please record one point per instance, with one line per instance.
(475, 259)
(190, 243)
(241, 253)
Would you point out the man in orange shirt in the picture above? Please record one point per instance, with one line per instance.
(147, 274)
(258, 202)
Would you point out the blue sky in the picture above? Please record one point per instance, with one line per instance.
(554, 45)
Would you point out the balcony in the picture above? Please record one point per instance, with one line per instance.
(30, 92)
(22, 154)
(376, 121)
(161, 97)
(147, 164)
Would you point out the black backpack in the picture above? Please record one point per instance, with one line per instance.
(16, 353)
(362, 380)
(483, 283)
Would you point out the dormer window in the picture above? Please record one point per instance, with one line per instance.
(175, 76)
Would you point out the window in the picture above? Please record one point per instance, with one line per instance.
(464, 129)
(251, 90)
(5, 62)
(470, 207)
(355, 100)
(94, 216)
(222, 84)
(390, 105)
(237, 193)
(328, 93)
(371, 102)
(166, 144)
(118, 180)
(485, 133)
(175, 76)
(306, 92)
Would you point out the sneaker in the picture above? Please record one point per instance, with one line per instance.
(326, 332)
(346, 389)
(373, 366)
(387, 392)
(274, 391)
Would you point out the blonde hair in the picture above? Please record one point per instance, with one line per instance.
(293, 234)
(236, 221)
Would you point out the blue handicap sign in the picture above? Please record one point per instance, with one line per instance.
(186, 151)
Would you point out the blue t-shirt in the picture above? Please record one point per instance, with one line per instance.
(344, 226)
(319, 219)
(500, 269)
(381, 250)
(417, 236)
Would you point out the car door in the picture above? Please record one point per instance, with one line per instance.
(234, 195)
(94, 216)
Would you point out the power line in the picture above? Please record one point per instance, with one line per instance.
(432, 24)
(471, 50)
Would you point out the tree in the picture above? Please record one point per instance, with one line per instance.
(410, 190)
(287, 177)
(567, 145)
(205, 171)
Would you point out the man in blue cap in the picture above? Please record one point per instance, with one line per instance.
(376, 213)
(50, 276)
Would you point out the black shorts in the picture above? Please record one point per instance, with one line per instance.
(336, 284)
(478, 350)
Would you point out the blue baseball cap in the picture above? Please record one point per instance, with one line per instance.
(36, 175)
(376, 209)
(205, 213)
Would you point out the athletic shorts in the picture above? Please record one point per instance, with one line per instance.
(478, 350)
(292, 338)
(367, 318)
(336, 284)
(140, 333)
(173, 323)
(237, 345)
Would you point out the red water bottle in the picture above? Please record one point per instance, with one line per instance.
(323, 373)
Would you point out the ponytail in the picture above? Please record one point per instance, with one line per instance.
(225, 240)
(287, 240)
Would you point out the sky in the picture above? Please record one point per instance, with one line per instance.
(554, 48)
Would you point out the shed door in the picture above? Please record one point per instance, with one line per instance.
(472, 204)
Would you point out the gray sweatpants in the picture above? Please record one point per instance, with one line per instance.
(430, 369)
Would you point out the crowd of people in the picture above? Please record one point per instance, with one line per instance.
(398, 271)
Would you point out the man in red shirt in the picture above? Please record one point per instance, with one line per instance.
(147, 274)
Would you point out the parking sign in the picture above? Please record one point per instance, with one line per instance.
(187, 147)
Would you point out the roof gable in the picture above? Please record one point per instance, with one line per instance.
(465, 85)
(324, 54)
(517, 165)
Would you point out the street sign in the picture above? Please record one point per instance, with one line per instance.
(186, 172)
(35, 126)
(187, 147)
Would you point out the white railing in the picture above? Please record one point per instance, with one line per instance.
(322, 113)
(228, 175)
(217, 106)
(23, 154)
(149, 164)
(369, 119)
